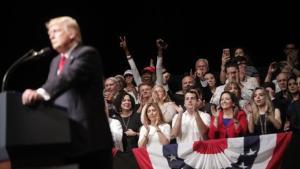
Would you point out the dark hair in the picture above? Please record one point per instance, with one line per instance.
(236, 107)
(293, 77)
(195, 91)
(269, 84)
(241, 60)
(216, 79)
(119, 99)
(246, 54)
(242, 48)
(232, 63)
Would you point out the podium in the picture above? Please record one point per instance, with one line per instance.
(33, 136)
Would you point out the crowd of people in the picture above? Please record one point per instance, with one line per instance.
(143, 108)
(237, 101)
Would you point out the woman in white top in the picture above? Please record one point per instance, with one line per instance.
(155, 130)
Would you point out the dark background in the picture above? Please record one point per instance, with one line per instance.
(192, 30)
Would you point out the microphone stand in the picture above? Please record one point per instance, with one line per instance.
(13, 67)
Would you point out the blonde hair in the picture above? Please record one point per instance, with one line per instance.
(69, 24)
(268, 102)
(167, 98)
(229, 84)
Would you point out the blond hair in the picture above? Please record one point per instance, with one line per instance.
(167, 98)
(69, 24)
(255, 109)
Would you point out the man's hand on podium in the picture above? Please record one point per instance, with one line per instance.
(31, 96)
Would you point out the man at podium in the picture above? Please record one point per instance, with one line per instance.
(75, 82)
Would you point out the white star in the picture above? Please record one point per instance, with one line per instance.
(242, 165)
(172, 157)
(250, 152)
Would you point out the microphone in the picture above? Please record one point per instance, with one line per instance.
(39, 54)
(30, 55)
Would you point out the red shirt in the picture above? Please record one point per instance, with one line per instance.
(229, 131)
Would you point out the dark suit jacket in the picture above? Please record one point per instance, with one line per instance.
(79, 89)
(294, 114)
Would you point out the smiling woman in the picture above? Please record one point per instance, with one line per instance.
(230, 121)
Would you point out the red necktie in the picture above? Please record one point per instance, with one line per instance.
(61, 63)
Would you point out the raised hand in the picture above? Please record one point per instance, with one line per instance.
(147, 127)
(292, 57)
(225, 56)
(155, 97)
(191, 73)
(123, 45)
(108, 96)
(214, 111)
(248, 108)
(199, 73)
(272, 68)
(179, 109)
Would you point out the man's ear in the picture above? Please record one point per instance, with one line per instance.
(72, 34)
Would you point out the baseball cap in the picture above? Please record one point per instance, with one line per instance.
(150, 69)
(128, 72)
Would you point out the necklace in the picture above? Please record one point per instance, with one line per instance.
(126, 124)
